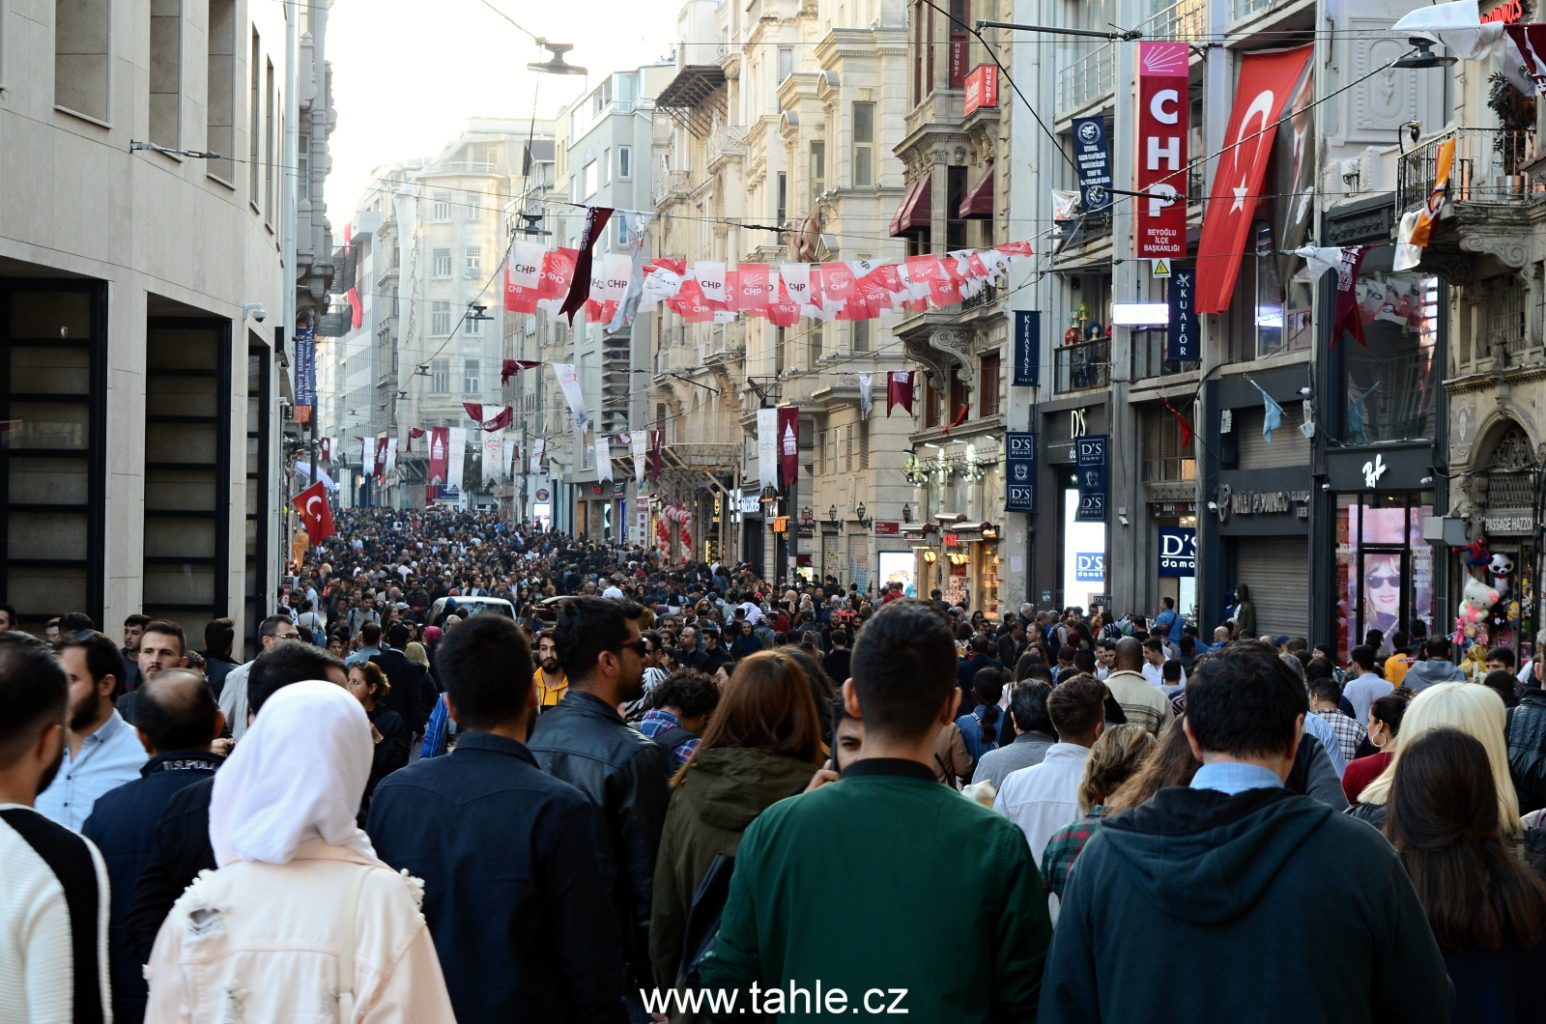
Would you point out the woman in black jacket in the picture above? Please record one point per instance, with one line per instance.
(1486, 908)
(387, 730)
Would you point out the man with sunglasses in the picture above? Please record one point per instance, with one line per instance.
(585, 742)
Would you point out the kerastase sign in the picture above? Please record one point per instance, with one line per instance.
(1164, 109)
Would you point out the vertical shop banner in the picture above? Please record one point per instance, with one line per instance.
(1020, 472)
(957, 59)
(1164, 114)
(456, 456)
(637, 443)
(1091, 465)
(391, 456)
(1183, 342)
(767, 447)
(981, 89)
(569, 384)
(507, 460)
(603, 446)
(1092, 155)
(305, 367)
(1177, 551)
(1027, 372)
(789, 444)
(439, 441)
(493, 449)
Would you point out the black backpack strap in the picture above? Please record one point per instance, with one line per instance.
(669, 739)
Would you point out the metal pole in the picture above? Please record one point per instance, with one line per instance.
(1121, 35)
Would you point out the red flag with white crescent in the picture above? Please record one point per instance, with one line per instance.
(1266, 86)
(316, 515)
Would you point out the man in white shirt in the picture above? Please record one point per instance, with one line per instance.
(53, 918)
(1044, 797)
(1154, 661)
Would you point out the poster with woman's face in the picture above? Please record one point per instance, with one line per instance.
(1382, 579)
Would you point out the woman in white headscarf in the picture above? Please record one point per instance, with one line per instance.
(302, 921)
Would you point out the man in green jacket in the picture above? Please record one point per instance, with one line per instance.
(1233, 899)
(886, 890)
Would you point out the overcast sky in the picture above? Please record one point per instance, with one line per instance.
(408, 73)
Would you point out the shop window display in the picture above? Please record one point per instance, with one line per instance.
(1384, 567)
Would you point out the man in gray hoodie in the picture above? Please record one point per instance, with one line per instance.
(1432, 666)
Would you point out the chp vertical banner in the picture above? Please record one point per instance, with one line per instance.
(1020, 472)
(1091, 465)
(1164, 113)
(305, 372)
(1092, 155)
(1027, 371)
(1183, 342)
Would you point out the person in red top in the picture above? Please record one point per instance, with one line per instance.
(1384, 722)
(893, 592)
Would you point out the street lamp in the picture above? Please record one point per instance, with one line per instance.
(864, 520)
(907, 513)
(832, 515)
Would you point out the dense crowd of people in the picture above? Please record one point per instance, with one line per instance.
(474, 771)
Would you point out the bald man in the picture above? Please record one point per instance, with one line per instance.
(1142, 702)
(176, 719)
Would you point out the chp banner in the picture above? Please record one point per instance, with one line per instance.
(637, 443)
(1164, 110)
(1268, 81)
(1020, 472)
(439, 441)
(1091, 465)
(603, 447)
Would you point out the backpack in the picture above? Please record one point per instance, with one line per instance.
(669, 739)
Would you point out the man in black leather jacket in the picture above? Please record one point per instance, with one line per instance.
(1527, 742)
(585, 742)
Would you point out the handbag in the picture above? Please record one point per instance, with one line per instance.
(708, 905)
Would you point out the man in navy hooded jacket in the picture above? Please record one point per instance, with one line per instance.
(1267, 906)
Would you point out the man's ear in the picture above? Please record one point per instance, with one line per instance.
(851, 700)
(952, 705)
(1191, 740)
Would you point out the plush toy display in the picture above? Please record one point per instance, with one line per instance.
(1476, 600)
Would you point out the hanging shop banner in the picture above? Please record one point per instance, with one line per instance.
(1177, 551)
(1027, 348)
(789, 444)
(569, 383)
(1091, 465)
(456, 457)
(493, 448)
(1164, 109)
(1266, 84)
(981, 89)
(638, 442)
(1020, 472)
(767, 447)
(1092, 155)
(603, 446)
(1183, 342)
(305, 367)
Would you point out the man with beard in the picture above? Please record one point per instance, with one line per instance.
(162, 646)
(53, 933)
(585, 742)
(549, 678)
(101, 752)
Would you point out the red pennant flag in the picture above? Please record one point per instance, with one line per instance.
(315, 514)
(1016, 249)
(1182, 425)
(657, 443)
(439, 442)
(1267, 83)
(596, 218)
(499, 420)
(752, 288)
(899, 391)
(789, 443)
(837, 283)
(960, 417)
(356, 309)
(510, 367)
(381, 456)
(474, 410)
(1348, 319)
(414, 433)
(326, 444)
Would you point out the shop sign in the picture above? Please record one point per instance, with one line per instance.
(981, 89)
(1177, 551)
(1020, 472)
(1501, 523)
(952, 540)
(749, 504)
(888, 529)
(1092, 155)
(1090, 461)
(1507, 13)
(1090, 566)
(542, 494)
(1027, 373)
(1183, 341)
(1173, 508)
(1258, 503)
(957, 60)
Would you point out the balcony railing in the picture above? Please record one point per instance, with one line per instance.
(1489, 167)
(1185, 19)
(1149, 357)
(1085, 366)
(986, 297)
(670, 185)
(1088, 79)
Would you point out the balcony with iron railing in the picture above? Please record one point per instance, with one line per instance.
(1085, 366)
(1261, 11)
(1087, 81)
(1184, 20)
(671, 186)
(1491, 165)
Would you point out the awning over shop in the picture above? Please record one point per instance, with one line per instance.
(978, 203)
(916, 208)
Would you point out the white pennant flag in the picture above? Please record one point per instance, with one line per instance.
(603, 446)
(456, 455)
(391, 459)
(797, 281)
(866, 394)
(367, 455)
(506, 459)
(638, 440)
(525, 264)
(767, 446)
(1458, 26)
(1407, 256)
(569, 383)
(711, 278)
(538, 449)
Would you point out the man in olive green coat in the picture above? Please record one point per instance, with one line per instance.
(886, 890)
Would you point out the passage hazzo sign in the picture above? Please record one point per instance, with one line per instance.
(1020, 472)
(1091, 465)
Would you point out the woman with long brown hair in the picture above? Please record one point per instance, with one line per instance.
(763, 744)
(1486, 908)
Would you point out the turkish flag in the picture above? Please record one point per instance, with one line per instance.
(500, 420)
(1266, 85)
(316, 516)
